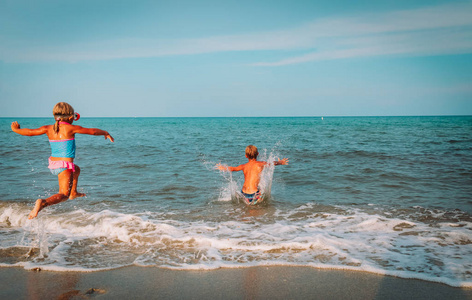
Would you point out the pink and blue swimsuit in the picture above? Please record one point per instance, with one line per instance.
(61, 148)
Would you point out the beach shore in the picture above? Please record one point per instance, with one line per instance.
(245, 283)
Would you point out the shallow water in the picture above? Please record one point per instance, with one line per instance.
(389, 195)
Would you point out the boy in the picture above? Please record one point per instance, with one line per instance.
(252, 174)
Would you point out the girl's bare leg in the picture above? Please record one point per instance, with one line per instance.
(74, 194)
(65, 183)
(40, 204)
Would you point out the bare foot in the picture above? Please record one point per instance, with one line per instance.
(37, 207)
(76, 195)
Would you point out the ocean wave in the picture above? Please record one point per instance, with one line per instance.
(411, 243)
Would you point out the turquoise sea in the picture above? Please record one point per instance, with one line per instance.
(387, 195)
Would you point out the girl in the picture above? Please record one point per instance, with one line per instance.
(61, 163)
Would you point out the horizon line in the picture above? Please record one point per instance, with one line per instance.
(220, 117)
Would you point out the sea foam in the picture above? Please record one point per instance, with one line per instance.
(339, 238)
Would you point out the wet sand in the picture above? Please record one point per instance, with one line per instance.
(245, 283)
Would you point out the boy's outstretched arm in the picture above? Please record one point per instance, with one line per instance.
(229, 168)
(283, 161)
(15, 126)
(93, 131)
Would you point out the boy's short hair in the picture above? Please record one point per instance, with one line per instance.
(251, 152)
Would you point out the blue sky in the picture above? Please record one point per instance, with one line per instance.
(236, 58)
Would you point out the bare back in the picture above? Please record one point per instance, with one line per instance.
(252, 175)
(65, 132)
(252, 172)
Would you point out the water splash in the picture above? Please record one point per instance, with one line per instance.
(233, 184)
(228, 191)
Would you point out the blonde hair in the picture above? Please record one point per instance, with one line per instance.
(251, 152)
(61, 112)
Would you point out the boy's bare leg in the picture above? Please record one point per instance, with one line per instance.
(74, 194)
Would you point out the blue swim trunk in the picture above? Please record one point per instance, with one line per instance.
(252, 199)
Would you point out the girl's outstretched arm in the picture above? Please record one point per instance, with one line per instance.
(93, 131)
(15, 126)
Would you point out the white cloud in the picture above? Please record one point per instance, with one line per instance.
(445, 29)
(415, 43)
(135, 48)
(427, 31)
